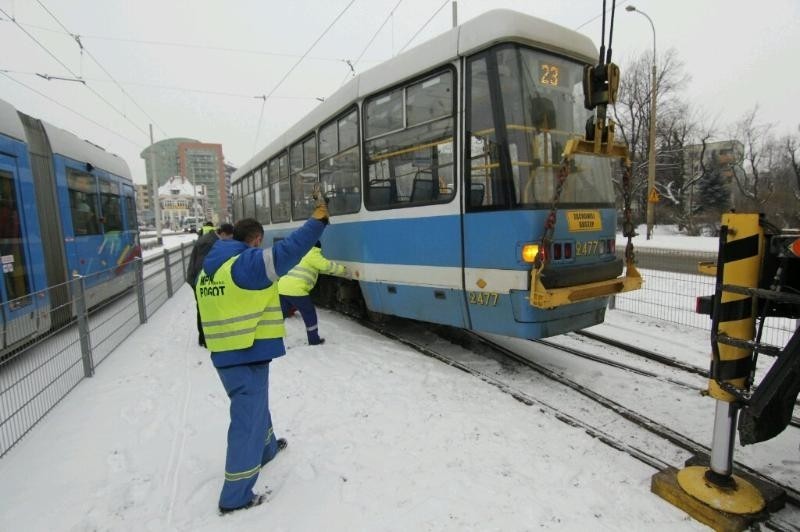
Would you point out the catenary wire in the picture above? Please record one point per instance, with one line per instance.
(300, 60)
(168, 87)
(98, 124)
(424, 26)
(372, 39)
(100, 96)
(178, 44)
(93, 58)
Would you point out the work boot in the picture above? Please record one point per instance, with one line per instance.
(255, 501)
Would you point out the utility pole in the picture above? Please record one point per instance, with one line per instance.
(154, 186)
(652, 195)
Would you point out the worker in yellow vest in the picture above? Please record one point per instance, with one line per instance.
(205, 229)
(295, 287)
(237, 295)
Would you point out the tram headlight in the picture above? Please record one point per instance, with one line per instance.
(529, 252)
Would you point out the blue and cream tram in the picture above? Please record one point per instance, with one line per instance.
(67, 209)
(440, 170)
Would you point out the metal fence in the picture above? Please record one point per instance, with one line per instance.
(35, 377)
(672, 286)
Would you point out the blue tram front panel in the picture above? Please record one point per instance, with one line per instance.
(497, 279)
(24, 301)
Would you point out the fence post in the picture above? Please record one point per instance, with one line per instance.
(83, 325)
(183, 262)
(167, 272)
(139, 270)
(612, 302)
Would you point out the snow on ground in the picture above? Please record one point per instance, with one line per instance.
(668, 237)
(380, 438)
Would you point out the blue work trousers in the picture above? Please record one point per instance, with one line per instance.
(251, 440)
(307, 311)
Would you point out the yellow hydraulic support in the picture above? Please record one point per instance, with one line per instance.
(712, 494)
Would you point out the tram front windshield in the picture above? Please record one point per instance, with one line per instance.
(522, 107)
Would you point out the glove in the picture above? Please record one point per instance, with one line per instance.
(321, 213)
(320, 207)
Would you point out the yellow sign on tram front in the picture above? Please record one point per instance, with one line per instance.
(584, 221)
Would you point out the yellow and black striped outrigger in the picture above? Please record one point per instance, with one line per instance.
(757, 276)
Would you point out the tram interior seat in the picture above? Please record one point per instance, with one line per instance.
(352, 201)
(381, 192)
(422, 189)
(476, 193)
(343, 202)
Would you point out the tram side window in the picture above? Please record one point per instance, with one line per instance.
(130, 208)
(83, 203)
(303, 156)
(12, 254)
(262, 198)
(237, 201)
(339, 174)
(409, 147)
(279, 196)
(249, 197)
(111, 210)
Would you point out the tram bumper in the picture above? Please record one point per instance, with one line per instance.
(552, 288)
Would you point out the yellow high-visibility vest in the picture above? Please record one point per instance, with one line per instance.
(234, 317)
(302, 278)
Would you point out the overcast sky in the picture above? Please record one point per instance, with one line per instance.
(738, 54)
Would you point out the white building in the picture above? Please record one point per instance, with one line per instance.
(178, 199)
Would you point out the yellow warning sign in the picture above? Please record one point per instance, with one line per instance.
(653, 197)
(584, 220)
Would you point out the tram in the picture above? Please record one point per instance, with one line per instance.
(67, 210)
(444, 177)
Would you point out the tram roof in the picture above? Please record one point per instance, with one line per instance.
(500, 25)
(10, 123)
(67, 144)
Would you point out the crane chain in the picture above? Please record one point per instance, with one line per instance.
(628, 229)
(550, 222)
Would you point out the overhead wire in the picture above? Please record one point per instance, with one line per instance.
(371, 40)
(289, 72)
(604, 12)
(164, 87)
(100, 96)
(179, 44)
(71, 110)
(107, 73)
(424, 26)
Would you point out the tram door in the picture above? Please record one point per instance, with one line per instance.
(87, 236)
(15, 289)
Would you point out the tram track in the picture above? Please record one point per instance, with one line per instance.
(642, 452)
(644, 353)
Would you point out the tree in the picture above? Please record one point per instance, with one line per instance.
(632, 113)
(791, 145)
(752, 176)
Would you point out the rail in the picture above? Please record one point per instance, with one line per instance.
(38, 375)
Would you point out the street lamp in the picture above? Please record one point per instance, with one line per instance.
(652, 197)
